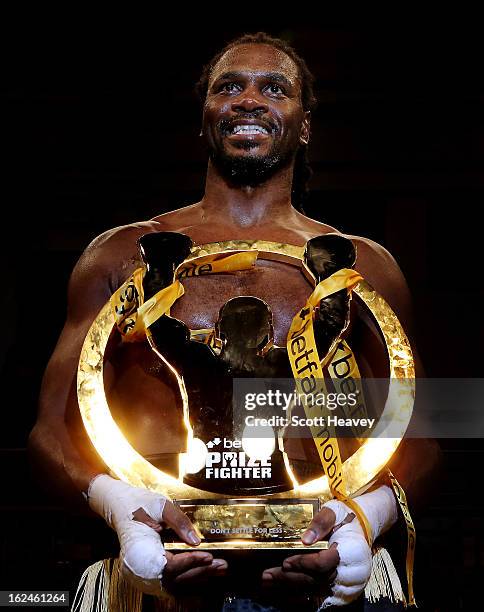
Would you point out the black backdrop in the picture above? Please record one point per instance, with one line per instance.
(101, 129)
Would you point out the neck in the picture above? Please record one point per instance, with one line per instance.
(245, 206)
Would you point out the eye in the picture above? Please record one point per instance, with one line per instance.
(229, 87)
(274, 89)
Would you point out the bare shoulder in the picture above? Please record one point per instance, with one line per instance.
(310, 227)
(373, 258)
(378, 266)
(116, 249)
(186, 216)
(105, 263)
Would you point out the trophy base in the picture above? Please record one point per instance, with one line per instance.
(247, 545)
(248, 524)
(251, 535)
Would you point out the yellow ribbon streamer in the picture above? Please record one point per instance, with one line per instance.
(134, 316)
(411, 535)
(307, 369)
(214, 264)
(343, 370)
(125, 302)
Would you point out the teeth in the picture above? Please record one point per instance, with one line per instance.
(249, 129)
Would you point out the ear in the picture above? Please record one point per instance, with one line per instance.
(305, 128)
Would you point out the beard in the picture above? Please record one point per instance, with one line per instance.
(249, 170)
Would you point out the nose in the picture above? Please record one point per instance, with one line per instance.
(249, 101)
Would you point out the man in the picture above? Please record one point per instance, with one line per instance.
(256, 122)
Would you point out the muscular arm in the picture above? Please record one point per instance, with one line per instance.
(61, 453)
(66, 460)
(417, 463)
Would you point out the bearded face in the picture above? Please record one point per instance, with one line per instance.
(253, 118)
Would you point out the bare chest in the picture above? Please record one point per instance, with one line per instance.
(282, 286)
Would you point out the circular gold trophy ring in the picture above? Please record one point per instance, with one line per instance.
(359, 470)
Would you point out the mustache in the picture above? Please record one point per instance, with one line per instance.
(225, 125)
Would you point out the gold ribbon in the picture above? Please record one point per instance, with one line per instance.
(134, 316)
(411, 535)
(216, 263)
(126, 300)
(343, 369)
(307, 369)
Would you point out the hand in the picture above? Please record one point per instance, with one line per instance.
(345, 567)
(308, 572)
(182, 569)
(190, 569)
(171, 516)
(137, 516)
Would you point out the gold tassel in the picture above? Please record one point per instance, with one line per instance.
(116, 594)
(384, 580)
(113, 593)
(123, 597)
(84, 599)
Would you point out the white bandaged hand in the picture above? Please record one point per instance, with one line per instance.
(142, 554)
(354, 568)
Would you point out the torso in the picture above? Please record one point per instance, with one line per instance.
(140, 401)
(282, 286)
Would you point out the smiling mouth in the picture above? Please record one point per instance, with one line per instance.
(248, 130)
(249, 127)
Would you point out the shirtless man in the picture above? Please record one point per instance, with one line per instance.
(256, 123)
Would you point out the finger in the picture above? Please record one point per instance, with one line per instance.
(318, 563)
(218, 567)
(182, 562)
(276, 576)
(180, 523)
(320, 526)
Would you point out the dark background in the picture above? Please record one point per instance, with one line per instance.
(100, 128)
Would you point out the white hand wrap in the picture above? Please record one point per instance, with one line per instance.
(354, 568)
(141, 554)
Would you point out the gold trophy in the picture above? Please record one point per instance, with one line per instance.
(240, 490)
